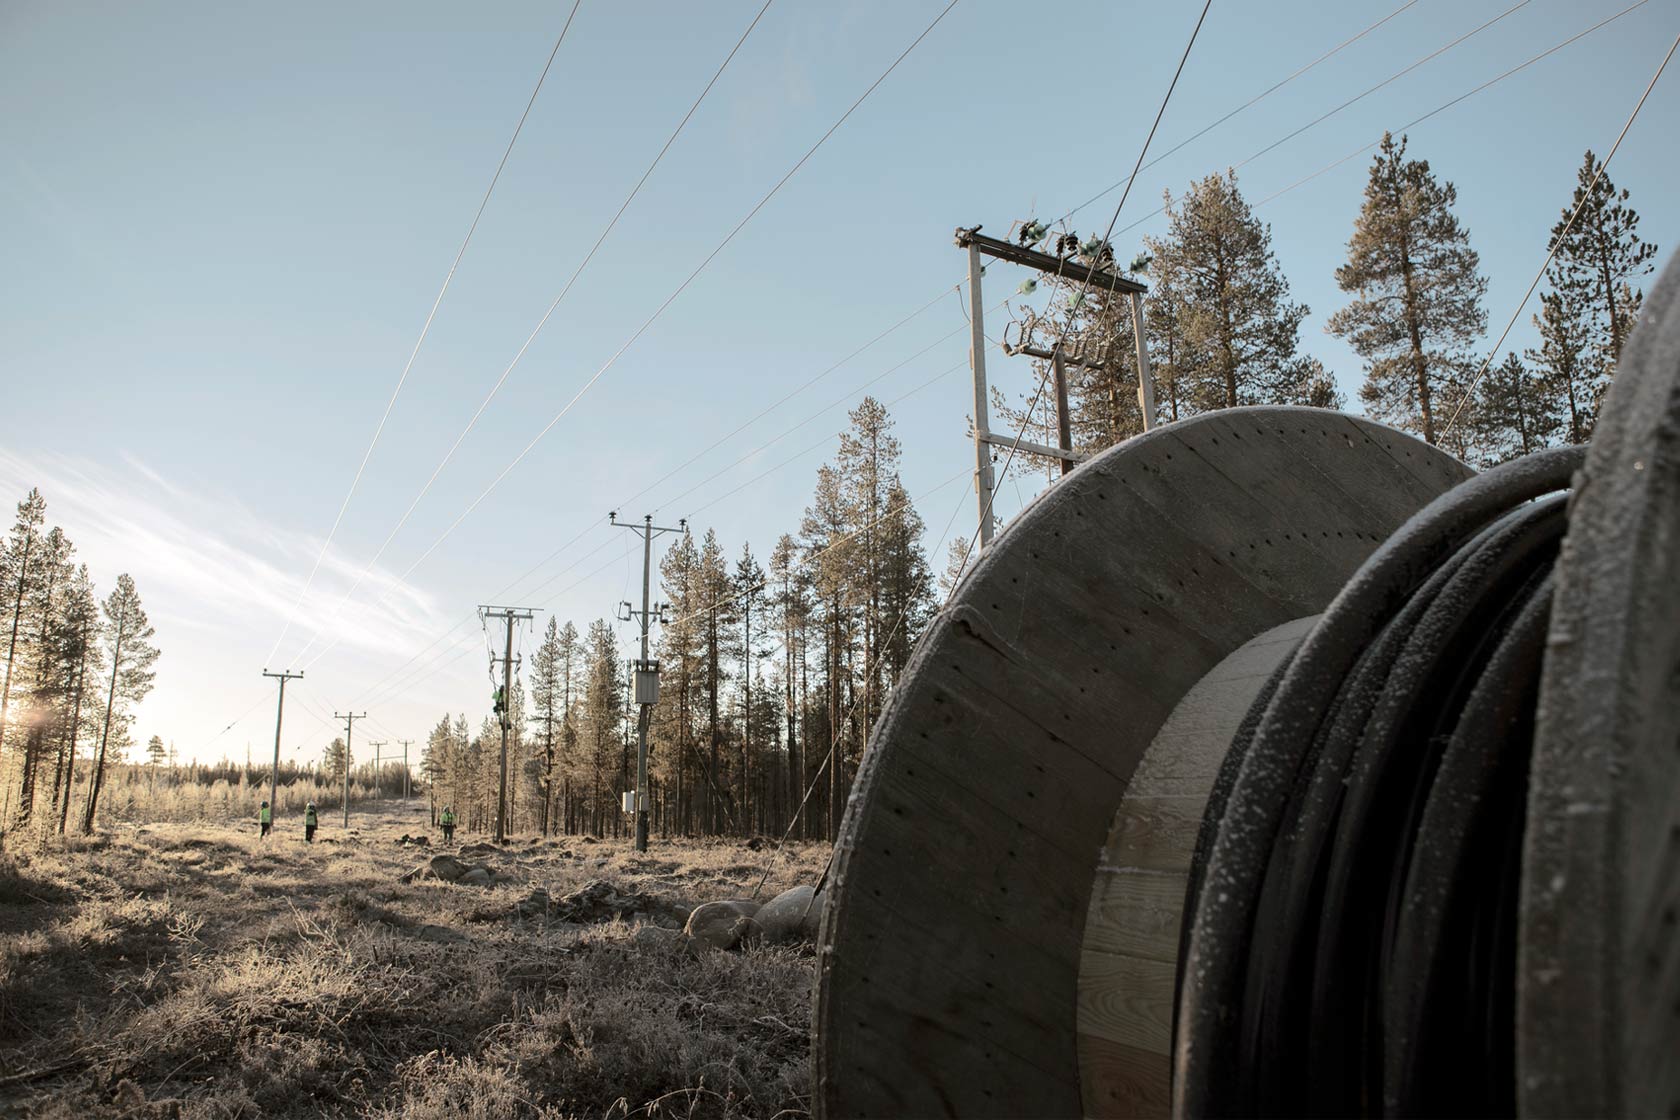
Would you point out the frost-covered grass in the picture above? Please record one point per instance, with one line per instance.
(194, 971)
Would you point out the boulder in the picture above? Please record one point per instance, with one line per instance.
(476, 877)
(723, 924)
(447, 868)
(793, 915)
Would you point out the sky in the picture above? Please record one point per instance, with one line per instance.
(225, 225)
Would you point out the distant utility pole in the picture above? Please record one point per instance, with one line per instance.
(647, 671)
(504, 699)
(379, 758)
(349, 724)
(279, 717)
(376, 744)
(1095, 279)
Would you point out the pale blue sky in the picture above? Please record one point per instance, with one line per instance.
(224, 225)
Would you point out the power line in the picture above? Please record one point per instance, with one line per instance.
(424, 330)
(1557, 242)
(1316, 121)
(682, 287)
(541, 323)
(1444, 106)
(1250, 103)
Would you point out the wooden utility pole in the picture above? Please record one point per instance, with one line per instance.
(504, 700)
(349, 725)
(377, 760)
(647, 671)
(408, 787)
(279, 717)
(1092, 278)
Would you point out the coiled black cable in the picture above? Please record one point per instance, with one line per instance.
(1349, 928)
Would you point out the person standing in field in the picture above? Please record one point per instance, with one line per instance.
(309, 822)
(446, 820)
(265, 818)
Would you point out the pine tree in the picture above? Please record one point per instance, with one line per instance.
(1229, 329)
(20, 567)
(78, 647)
(1572, 373)
(1515, 412)
(333, 761)
(793, 613)
(829, 544)
(680, 652)
(547, 702)
(1419, 296)
(437, 759)
(128, 636)
(957, 562)
(48, 680)
(747, 590)
(717, 608)
(601, 703)
(1600, 259)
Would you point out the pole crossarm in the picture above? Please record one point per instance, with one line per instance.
(1088, 274)
(1035, 448)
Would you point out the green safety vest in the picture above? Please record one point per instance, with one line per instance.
(265, 816)
(309, 816)
(447, 819)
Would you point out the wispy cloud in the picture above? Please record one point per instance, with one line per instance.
(202, 557)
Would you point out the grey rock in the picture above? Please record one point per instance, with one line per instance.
(447, 868)
(476, 877)
(793, 915)
(723, 924)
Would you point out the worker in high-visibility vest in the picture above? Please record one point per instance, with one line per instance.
(309, 822)
(446, 820)
(265, 818)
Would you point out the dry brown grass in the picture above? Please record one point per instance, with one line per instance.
(194, 971)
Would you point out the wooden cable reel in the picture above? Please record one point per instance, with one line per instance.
(1061, 853)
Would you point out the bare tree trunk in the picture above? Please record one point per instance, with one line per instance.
(98, 779)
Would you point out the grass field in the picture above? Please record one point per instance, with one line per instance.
(195, 971)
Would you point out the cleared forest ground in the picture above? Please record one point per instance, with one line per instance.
(193, 971)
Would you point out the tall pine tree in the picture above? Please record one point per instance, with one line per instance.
(1418, 306)
(1229, 329)
(1600, 259)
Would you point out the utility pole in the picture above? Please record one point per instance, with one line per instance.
(379, 758)
(504, 700)
(1094, 279)
(647, 671)
(279, 717)
(349, 724)
(376, 744)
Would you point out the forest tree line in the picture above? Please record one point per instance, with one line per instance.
(773, 670)
(76, 667)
